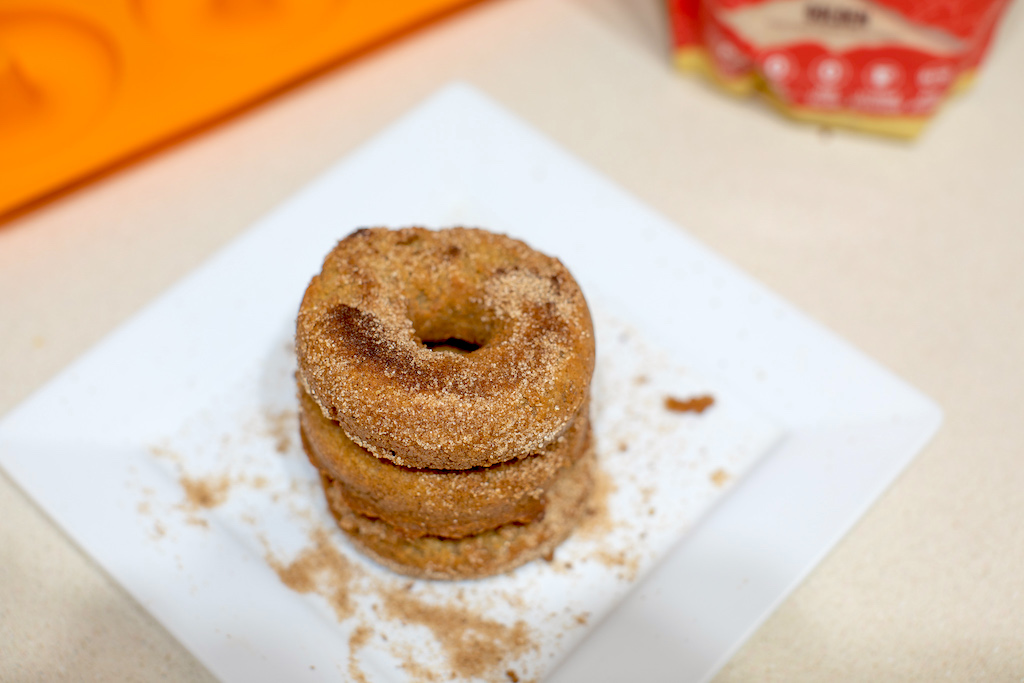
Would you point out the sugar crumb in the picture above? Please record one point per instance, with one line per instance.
(598, 520)
(359, 638)
(473, 644)
(719, 477)
(164, 453)
(281, 427)
(205, 492)
(695, 404)
(320, 568)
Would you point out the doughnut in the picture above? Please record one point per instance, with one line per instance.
(445, 503)
(485, 554)
(371, 322)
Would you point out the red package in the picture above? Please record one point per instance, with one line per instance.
(879, 65)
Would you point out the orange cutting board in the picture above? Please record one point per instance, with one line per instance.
(85, 84)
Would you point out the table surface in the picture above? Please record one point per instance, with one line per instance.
(912, 251)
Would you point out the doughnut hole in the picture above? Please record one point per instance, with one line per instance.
(451, 326)
(452, 344)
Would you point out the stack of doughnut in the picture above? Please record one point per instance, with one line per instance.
(444, 387)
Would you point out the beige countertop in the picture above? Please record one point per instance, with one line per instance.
(913, 252)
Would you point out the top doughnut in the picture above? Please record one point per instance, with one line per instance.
(370, 324)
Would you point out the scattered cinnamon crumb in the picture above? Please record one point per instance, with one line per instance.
(164, 453)
(196, 520)
(719, 477)
(561, 567)
(512, 676)
(696, 404)
(281, 427)
(646, 494)
(356, 641)
(473, 644)
(514, 600)
(322, 569)
(583, 618)
(417, 672)
(598, 520)
(628, 564)
(205, 493)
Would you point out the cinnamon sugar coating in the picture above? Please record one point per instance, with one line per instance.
(366, 320)
(446, 503)
(485, 554)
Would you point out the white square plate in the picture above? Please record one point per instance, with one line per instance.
(174, 463)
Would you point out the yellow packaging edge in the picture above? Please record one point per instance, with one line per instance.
(695, 59)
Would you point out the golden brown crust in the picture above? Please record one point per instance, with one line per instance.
(486, 554)
(382, 293)
(446, 503)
